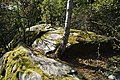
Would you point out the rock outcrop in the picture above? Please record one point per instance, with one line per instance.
(47, 38)
(31, 35)
(23, 63)
(49, 41)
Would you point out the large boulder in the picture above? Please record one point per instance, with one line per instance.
(49, 41)
(30, 35)
(23, 63)
(47, 38)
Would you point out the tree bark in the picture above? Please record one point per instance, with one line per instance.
(64, 42)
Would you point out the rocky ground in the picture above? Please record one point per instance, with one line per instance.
(97, 69)
(88, 56)
(23, 63)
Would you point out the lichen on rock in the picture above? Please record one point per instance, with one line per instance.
(49, 41)
(18, 62)
(22, 64)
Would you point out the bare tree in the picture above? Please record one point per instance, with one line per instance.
(64, 42)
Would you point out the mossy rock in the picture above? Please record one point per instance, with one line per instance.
(49, 41)
(87, 45)
(31, 34)
(88, 36)
(18, 62)
(19, 65)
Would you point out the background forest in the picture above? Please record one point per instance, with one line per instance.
(99, 16)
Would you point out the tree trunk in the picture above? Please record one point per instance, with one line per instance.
(63, 44)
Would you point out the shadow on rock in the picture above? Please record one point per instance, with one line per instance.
(90, 50)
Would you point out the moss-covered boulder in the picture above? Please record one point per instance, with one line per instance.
(47, 38)
(40, 27)
(23, 63)
(49, 41)
(78, 39)
(30, 35)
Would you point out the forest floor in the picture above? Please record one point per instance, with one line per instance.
(92, 68)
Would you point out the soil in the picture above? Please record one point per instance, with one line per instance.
(89, 64)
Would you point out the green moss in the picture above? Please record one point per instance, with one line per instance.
(78, 35)
(88, 36)
(1, 77)
(115, 58)
(47, 36)
(74, 31)
(58, 42)
(80, 76)
(64, 77)
(18, 61)
(72, 40)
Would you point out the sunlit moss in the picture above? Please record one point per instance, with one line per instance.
(115, 58)
(18, 61)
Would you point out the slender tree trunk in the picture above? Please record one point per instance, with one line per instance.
(63, 44)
